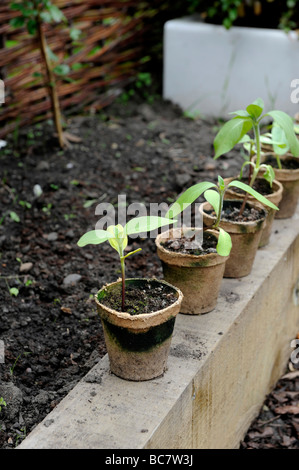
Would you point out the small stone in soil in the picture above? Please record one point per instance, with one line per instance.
(52, 237)
(25, 267)
(71, 279)
(190, 246)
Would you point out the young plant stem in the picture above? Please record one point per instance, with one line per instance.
(221, 194)
(250, 166)
(278, 162)
(50, 81)
(123, 277)
(123, 282)
(256, 129)
(253, 173)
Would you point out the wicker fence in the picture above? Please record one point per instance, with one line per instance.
(108, 53)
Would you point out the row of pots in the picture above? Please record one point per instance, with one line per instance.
(138, 345)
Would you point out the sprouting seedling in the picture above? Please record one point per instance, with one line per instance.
(234, 131)
(2, 403)
(214, 194)
(117, 235)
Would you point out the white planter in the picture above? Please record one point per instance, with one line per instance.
(213, 71)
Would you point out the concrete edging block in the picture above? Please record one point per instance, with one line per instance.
(221, 366)
(212, 71)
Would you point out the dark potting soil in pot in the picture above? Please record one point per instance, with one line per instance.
(231, 212)
(260, 185)
(192, 246)
(139, 300)
(288, 163)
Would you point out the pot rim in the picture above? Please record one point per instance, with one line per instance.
(292, 174)
(214, 258)
(275, 193)
(251, 226)
(143, 320)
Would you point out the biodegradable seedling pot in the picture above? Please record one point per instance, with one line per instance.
(274, 197)
(138, 345)
(197, 276)
(289, 178)
(245, 238)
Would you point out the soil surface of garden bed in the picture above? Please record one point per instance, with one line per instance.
(49, 324)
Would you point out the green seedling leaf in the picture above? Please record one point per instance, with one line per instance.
(11, 43)
(256, 108)
(269, 174)
(46, 16)
(56, 13)
(267, 139)
(224, 244)
(213, 198)
(279, 140)
(61, 70)
(119, 239)
(53, 57)
(221, 183)
(146, 224)
(14, 216)
(286, 123)
(245, 139)
(189, 196)
(240, 113)
(253, 192)
(89, 203)
(32, 26)
(17, 22)
(230, 134)
(14, 291)
(75, 34)
(94, 237)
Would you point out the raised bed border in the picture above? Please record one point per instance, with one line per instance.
(220, 369)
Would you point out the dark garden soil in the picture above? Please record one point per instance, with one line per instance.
(50, 329)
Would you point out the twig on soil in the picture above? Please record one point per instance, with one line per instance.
(263, 423)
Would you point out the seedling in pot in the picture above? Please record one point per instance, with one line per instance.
(236, 129)
(277, 142)
(117, 235)
(214, 195)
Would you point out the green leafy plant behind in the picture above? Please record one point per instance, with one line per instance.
(33, 15)
(117, 236)
(270, 13)
(214, 194)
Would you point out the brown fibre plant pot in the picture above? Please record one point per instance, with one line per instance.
(138, 345)
(245, 237)
(275, 197)
(197, 276)
(289, 178)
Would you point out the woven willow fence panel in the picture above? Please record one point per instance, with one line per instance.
(107, 54)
